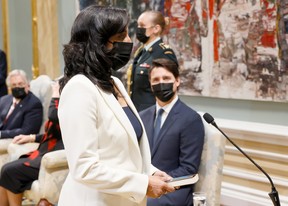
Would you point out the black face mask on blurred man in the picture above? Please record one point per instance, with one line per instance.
(19, 92)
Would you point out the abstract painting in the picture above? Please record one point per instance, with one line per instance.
(226, 48)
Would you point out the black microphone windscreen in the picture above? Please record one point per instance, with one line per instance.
(208, 118)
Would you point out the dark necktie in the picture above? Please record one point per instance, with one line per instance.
(157, 125)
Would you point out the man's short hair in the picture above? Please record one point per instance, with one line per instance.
(168, 64)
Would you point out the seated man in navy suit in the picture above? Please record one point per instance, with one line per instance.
(176, 138)
(20, 112)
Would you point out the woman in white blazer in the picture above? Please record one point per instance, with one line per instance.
(105, 141)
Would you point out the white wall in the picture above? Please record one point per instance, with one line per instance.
(66, 16)
(243, 110)
(20, 23)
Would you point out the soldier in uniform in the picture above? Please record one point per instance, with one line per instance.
(151, 25)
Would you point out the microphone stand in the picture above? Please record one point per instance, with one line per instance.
(274, 193)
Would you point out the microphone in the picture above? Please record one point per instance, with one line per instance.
(273, 194)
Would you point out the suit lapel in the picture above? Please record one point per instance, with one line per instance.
(6, 108)
(118, 111)
(171, 118)
(14, 115)
(144, 56)
(147, 54)
(132, 107)
(150, 125)
(138, 54)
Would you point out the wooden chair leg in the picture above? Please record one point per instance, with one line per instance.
(44, 202)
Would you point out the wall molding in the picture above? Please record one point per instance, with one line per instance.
(244, 196)
(259, 154)
(243, 184)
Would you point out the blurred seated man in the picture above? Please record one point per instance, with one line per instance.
(18, 176)
(20, 112)
(175, 132)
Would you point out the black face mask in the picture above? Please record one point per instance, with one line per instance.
(163, 91)
(19, 92)
(141, 36)
(121, 54)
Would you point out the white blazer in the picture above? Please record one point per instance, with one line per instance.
(107, 166)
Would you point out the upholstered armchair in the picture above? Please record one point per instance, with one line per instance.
(53, 172)
(41, 88)
(16, 150)
(212, 160)
(3, 151)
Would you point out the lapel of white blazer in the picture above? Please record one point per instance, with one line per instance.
(119, 112)
(143, 145)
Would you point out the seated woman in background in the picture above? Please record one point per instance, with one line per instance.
(18, 176)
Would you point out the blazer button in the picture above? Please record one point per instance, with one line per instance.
(141, 72)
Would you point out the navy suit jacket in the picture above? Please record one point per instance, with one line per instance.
(25, 119)
(178, 148)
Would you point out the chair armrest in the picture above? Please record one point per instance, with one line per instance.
(4, 145)
(52, 174)
(55, 159)
(16, 150)
(4, 157)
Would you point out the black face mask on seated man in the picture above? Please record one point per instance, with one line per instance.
(121, 54)
(163, 91)
(19, 92)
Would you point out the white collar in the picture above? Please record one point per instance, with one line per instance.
(151, 43)
(167, 108)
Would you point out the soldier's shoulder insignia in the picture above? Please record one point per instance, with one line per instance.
(164, 46)
(168, 52)
(150, 49)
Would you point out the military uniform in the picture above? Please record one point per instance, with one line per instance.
(138, 74)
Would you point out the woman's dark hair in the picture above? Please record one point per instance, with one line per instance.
(168, 64)
(86, 53)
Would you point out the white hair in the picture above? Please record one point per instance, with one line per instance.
(16, 72)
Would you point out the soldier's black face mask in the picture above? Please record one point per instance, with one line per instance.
(121, 54)
(163, 91)
(141, 35)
